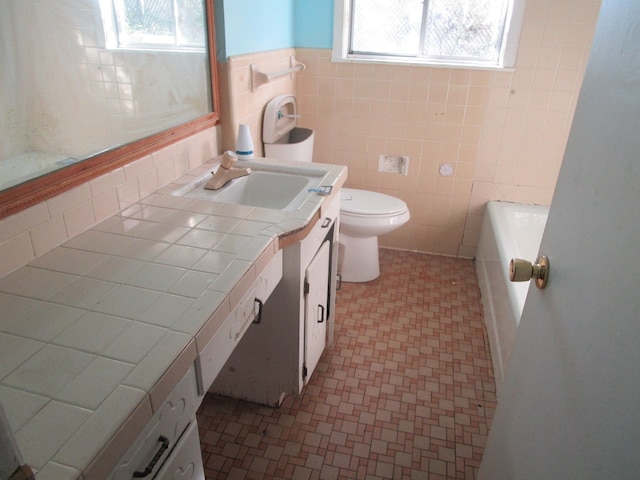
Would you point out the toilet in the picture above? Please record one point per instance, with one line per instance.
(364, 215)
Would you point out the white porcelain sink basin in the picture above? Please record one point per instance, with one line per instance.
(282, 189)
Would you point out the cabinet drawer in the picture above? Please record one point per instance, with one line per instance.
(185, 461)
(162, 432)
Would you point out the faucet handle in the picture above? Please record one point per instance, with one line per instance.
(228, 159)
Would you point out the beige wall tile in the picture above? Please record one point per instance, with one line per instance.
(15, 252)
(138, 168)
(496, 128)
(38, 229)
(69, 199)
(105, 204)
(79, 218)
(23, 221)
(48, 235)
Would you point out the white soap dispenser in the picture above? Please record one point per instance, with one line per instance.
(244, 143)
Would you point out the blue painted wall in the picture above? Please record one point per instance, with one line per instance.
(248, 26)
(313, 23)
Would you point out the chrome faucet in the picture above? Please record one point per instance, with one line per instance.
(226, 172)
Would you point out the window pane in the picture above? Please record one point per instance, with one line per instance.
(386, 26)
(145, 21)
(464, 28)
(191, 22)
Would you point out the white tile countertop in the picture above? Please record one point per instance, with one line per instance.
(97, 332)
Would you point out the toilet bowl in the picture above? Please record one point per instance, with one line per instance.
(365, 215)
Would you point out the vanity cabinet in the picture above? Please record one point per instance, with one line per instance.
(169, 447)
(248, 312)
(169, 443)
(277, 356)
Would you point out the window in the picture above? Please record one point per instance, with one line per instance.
(154, 24)
(480, 33)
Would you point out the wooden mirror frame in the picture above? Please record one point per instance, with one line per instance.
(20, 197)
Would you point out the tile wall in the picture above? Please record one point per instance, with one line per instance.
(33, 232)
(504, 132)
(242, 102)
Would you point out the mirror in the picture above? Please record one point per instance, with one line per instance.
(72, 109)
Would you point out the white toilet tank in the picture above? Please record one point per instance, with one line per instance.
(281, 136)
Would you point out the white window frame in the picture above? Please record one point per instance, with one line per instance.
(506, 59)
(108, 30)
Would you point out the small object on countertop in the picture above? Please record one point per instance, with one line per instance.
(244, 143)
(322, 189)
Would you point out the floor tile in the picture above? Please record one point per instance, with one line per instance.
(405, 392)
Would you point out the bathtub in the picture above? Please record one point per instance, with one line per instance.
(509, 230)
(23, 167)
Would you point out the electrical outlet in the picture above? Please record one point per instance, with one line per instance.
(393, 164)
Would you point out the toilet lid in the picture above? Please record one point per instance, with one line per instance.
(363, 202)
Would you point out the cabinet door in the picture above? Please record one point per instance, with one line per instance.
(315, 331)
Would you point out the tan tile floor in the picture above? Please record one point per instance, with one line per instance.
(405, 392)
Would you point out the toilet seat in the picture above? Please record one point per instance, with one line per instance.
(363, 203)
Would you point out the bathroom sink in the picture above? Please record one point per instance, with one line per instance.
(283, 188)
